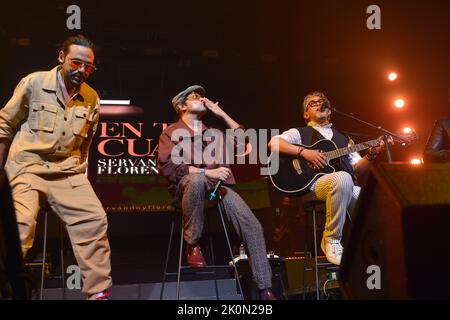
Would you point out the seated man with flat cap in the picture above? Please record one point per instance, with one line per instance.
(191, 182)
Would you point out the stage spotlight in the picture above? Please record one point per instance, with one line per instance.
(407, 130)
(409, 134)
(392, 76)
(399, 103)
(416, 161)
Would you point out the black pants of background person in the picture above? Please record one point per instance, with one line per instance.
(13, 284)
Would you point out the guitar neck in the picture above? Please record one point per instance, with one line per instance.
(347, 150)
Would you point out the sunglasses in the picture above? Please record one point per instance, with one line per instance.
(77, 64)
(194, 96)
(316, 103)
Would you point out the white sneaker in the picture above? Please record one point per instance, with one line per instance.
(333, 250)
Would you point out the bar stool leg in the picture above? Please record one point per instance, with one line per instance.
(211, 250)
(61, 252)
(315, 253)
(236, 274)
(304, 256)
(44, 251)
(167, 259)
(179, 261)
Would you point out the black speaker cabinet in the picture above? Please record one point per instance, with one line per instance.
(279, 279)
(401, 226)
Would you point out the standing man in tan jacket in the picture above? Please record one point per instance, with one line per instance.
(49, 124)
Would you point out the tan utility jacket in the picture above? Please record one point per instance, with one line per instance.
(47, 135)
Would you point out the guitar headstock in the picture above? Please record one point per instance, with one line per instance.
(388, 139)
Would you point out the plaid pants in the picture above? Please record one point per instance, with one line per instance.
(193, 191)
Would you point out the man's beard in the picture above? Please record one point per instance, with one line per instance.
(200, 108)
(322, 117)
(76, 78)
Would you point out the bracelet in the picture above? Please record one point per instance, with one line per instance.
(299, 153)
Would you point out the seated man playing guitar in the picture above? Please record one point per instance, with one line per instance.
(315, 170)
(437, 148)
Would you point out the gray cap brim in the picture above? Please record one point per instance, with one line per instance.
(181, 97)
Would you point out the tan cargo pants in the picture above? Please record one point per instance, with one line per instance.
(75, 202)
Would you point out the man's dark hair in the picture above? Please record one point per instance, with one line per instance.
(78, 39)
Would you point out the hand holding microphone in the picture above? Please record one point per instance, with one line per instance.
(215, 192)
(219, 174)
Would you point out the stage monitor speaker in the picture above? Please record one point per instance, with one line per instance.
(300, 281)
(399, 243)
(279, 279)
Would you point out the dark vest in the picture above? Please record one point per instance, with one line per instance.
(310, 136)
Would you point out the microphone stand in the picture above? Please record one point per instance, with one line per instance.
(386, 133)
(215, 195)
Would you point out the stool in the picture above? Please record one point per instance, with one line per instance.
(314, 206)
(178, 273)
(44, 252)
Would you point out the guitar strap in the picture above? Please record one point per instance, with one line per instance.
(309, 135)
(343, 140)
(316, 136)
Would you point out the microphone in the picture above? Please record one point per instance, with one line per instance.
(213, 195)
